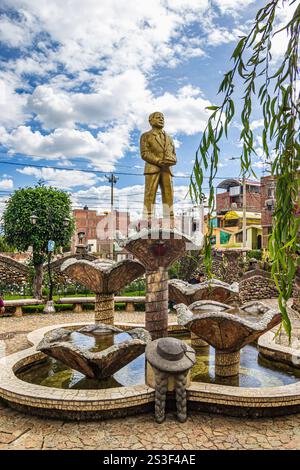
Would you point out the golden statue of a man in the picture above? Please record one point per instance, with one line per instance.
(158, 151)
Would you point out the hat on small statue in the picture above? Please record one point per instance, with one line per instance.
(170, 355)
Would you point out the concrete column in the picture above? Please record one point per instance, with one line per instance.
(157, 303)
(104, 309)
(227, 364)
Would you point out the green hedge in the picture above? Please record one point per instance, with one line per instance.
(257, 254)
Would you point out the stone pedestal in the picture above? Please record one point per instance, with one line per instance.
(77, 308)
(130, 307)
(227, 364)
(18, 312)
(157, 303)
(49, 307)
(197, 342)
(104, 309)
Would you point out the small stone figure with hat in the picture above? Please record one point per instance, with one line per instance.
(169, 363)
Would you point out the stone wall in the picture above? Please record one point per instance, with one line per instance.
(257, 284)
(231, 265)
(13, 274)
(59, 278)
(227, 265)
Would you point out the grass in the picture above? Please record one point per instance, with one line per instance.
(56, 297)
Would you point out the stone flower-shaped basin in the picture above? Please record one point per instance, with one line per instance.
(228, 331)
(232, 329)
(103, 276)
(156, 248)
(213, 289)
(97, 365)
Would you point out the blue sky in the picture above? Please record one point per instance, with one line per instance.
(79, 79)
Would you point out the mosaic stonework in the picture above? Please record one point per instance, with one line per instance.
(111, 403)
(157, 250)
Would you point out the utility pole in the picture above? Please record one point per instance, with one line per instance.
(244, 214)
(244, 209)
(112, 179)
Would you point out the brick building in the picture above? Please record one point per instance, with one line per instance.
(96, 229)
(268, 188)
(232, 196)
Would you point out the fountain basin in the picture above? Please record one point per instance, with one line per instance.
(113, 351)
(182, 292)
(139, 398)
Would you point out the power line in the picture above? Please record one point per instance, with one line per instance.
(61, 168)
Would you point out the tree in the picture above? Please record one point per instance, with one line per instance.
(50, 208)
(4, 247)
(275, 88)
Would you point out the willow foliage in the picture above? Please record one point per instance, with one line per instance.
(275, 87)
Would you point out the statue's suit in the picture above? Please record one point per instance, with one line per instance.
(157, 146)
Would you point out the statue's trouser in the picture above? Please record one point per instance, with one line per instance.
(152, 181)
(157, 303)
(227, 364)
(104, 309)
(161, 388)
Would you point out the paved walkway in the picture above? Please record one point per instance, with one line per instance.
(201, 431)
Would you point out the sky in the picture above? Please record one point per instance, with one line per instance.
(78, 81)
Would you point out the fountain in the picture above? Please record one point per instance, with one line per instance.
(229, 331)
(95, 371)
(157, 249)
(104, 277)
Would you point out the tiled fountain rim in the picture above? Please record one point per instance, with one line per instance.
(15, 390)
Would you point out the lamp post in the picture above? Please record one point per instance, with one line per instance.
(81, 248)
(49, 307)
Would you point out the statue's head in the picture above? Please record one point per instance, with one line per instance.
(157, 119)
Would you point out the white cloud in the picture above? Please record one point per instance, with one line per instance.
(93, 67)
(284, 14)
(232, 6)
(6, 183)
(14, 34)
(63, 179)
(12, 104)
(129, 198)
(256, 124)
(185, 114)
(102, 150)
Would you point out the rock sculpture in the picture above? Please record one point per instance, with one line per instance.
(228, 332)
(104, 277)
(97, 365)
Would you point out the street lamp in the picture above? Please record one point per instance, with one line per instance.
(49, 308)
(81, 248)
(33, 219)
